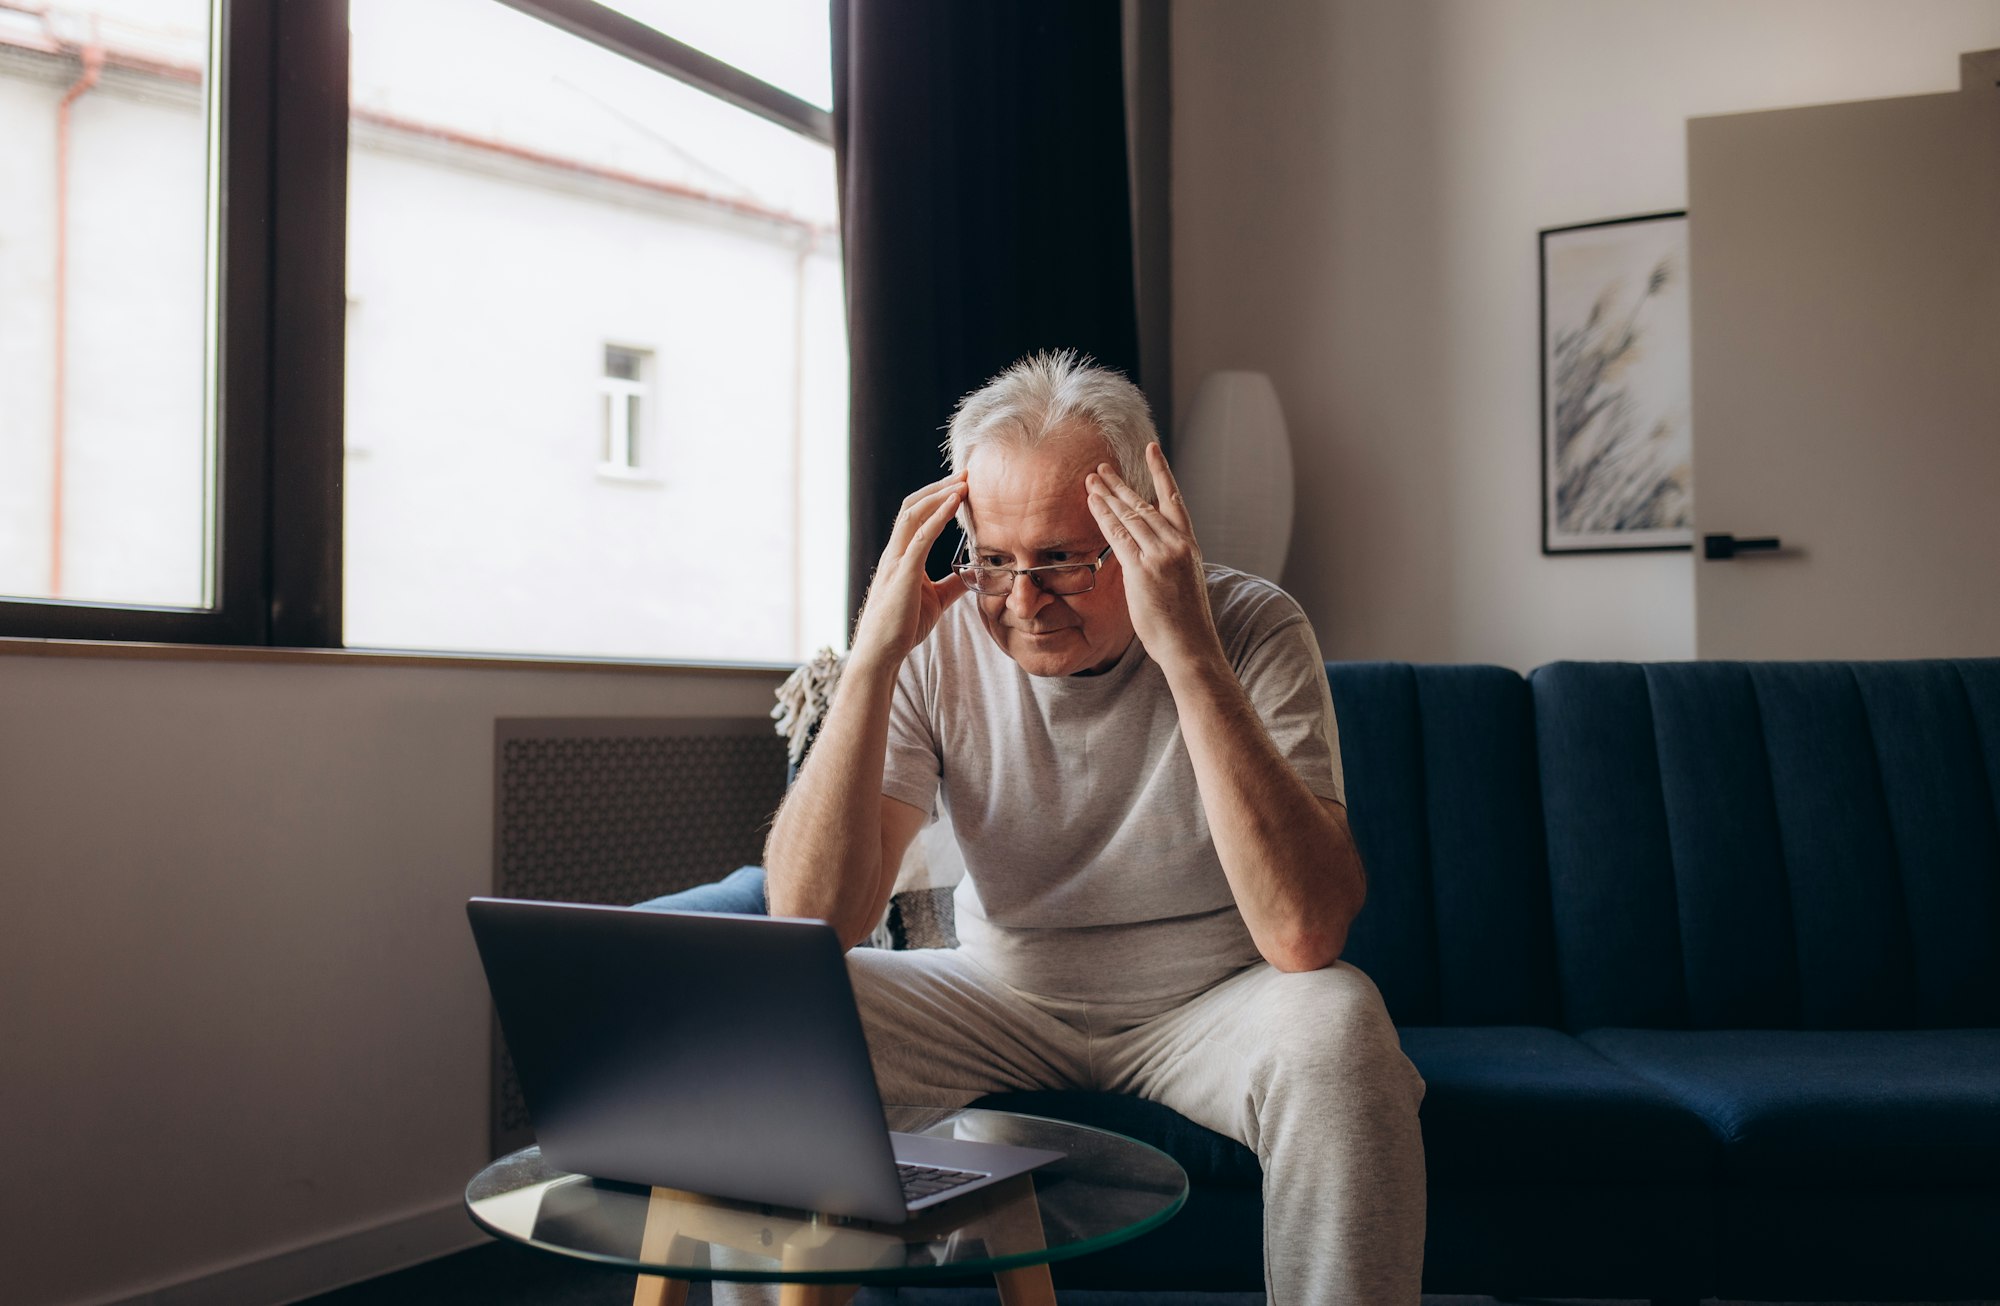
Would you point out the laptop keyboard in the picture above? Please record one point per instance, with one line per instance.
(921, 1181)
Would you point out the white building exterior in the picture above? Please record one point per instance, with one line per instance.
(519, 204)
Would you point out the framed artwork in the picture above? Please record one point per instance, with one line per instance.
(1616, 450)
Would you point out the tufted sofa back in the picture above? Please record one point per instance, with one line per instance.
(1773, 845)
(1443, 798)
(1712, 845)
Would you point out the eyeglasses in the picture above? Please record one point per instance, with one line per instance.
(1060, 578)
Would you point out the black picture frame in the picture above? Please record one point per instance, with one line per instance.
(1615, 441)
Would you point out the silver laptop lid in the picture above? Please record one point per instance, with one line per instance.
(719, 1054)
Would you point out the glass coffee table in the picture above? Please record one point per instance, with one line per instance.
(1106, 1189)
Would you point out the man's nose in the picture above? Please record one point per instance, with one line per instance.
(1026, 598)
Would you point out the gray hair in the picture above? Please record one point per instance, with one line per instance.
(1026, 405)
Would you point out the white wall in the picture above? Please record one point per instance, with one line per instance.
(1357, 190)
(240, 1009)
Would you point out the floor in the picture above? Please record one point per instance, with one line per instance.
(501, 1275)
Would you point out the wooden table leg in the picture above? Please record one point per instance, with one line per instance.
(1007, 1219)
(1005, 1216)
(652, 1290)
(662, 1228)
(1013, 1224)
(816, 1294)
(1028, 1286)
(819, 1246)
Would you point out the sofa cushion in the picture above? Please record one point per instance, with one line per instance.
(741, 892)
(1523, 1105)
(1852, 1109)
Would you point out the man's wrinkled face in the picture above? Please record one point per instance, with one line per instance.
(1026, 508)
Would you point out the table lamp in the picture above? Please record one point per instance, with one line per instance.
(1234, 464)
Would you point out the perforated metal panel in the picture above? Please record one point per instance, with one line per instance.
(617, 810)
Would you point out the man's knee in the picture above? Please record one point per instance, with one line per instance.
(941, 1034)
(1327, 1031)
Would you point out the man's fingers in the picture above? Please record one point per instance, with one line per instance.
(1138, 515)
(1116, 533)
(920, 545)
(1114, 484)
(1119, 490)
(916, 513)
(918, 527)
(925, 491)
(918, 497)
(1172, 505)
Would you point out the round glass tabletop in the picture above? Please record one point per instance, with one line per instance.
(1106, 1189)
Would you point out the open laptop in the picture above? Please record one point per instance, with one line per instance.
(714, 1053)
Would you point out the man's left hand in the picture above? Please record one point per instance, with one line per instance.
(1165, 588)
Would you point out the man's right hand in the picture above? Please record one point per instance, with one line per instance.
(838, 840)
(904, 603)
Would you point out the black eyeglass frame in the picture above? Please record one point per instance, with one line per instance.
(967, 566)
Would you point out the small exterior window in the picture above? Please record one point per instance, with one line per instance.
(627, 408)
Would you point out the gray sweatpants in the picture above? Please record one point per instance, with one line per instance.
(1303, 1069)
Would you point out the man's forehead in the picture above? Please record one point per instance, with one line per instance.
(999, 542)
(1033, 503)
(1006, 478)
(1044, 527)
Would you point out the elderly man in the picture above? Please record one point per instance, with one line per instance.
(1137, 755)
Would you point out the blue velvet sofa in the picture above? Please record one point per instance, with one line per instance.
(1700, 962)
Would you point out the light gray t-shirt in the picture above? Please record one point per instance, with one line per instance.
(1090, 874)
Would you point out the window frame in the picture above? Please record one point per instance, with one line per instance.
(238, 355)
(278, 258)
(636, 41)
(620, 462)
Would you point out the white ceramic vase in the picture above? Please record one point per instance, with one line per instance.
(1233, 460)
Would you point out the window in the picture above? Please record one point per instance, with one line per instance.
(481, 261)
(626, 408)
(106, 455)
(527, 208)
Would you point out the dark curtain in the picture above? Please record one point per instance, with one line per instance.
(984, 215)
